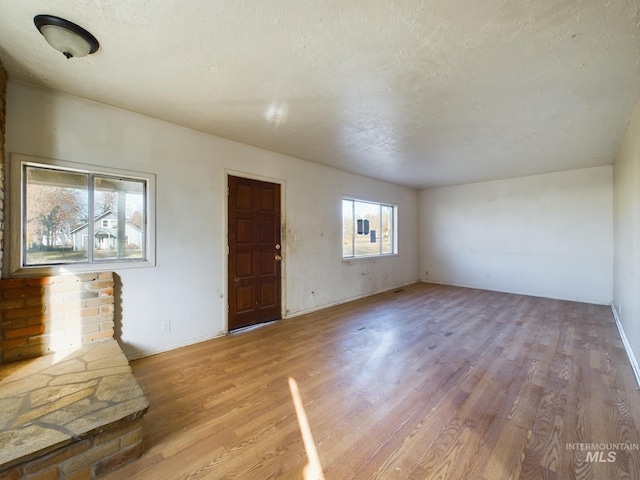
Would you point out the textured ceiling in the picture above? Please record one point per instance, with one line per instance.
(421, 93)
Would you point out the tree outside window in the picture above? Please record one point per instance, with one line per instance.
(62, 225)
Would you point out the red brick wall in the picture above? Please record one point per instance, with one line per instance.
(51, 314)
(85, 459)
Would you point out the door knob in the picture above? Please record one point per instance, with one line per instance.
(278, 258)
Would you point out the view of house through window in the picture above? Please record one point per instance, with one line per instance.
(368, 228)
(81, 217)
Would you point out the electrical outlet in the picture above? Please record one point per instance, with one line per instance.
(619, 309)
(166, 327)
(426, 273)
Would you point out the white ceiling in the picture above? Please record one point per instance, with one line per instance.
(421, 93)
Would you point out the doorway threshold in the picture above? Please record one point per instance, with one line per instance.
(252, 327)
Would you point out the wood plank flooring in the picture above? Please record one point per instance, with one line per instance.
(427, 382)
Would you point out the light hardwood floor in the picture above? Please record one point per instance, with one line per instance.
(426, 382)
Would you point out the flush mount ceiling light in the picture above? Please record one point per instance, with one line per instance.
(66, 37)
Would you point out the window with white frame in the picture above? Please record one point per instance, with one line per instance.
(60, 209)
(368, 228)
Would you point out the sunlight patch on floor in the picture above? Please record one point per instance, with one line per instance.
(313, 470)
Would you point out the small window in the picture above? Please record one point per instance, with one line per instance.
(368, 228)
(73, 216)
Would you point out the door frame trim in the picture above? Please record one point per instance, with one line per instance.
(225, 229)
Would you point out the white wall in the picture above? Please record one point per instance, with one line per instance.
(546, 235)
(626, 204)
(188, 285)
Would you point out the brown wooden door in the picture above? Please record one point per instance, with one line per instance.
(254, 252)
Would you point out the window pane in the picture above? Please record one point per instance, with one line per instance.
(56, 205)
(347, 228)
(119, 223)
(368, 228)
(386, 229)
(367, 238)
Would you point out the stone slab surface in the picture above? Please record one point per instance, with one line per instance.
(50, 401)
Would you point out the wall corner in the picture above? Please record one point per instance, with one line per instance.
(3, 116)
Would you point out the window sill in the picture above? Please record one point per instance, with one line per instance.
(70, 269)
(367, 257)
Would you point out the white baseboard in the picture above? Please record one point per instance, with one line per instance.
(490, 288)
(135, 355)
(627, 346)
(345, 300)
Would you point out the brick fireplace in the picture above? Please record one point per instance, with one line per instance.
(69, 405)
(46, 315)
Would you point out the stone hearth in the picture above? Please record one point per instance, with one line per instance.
(79, 415)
